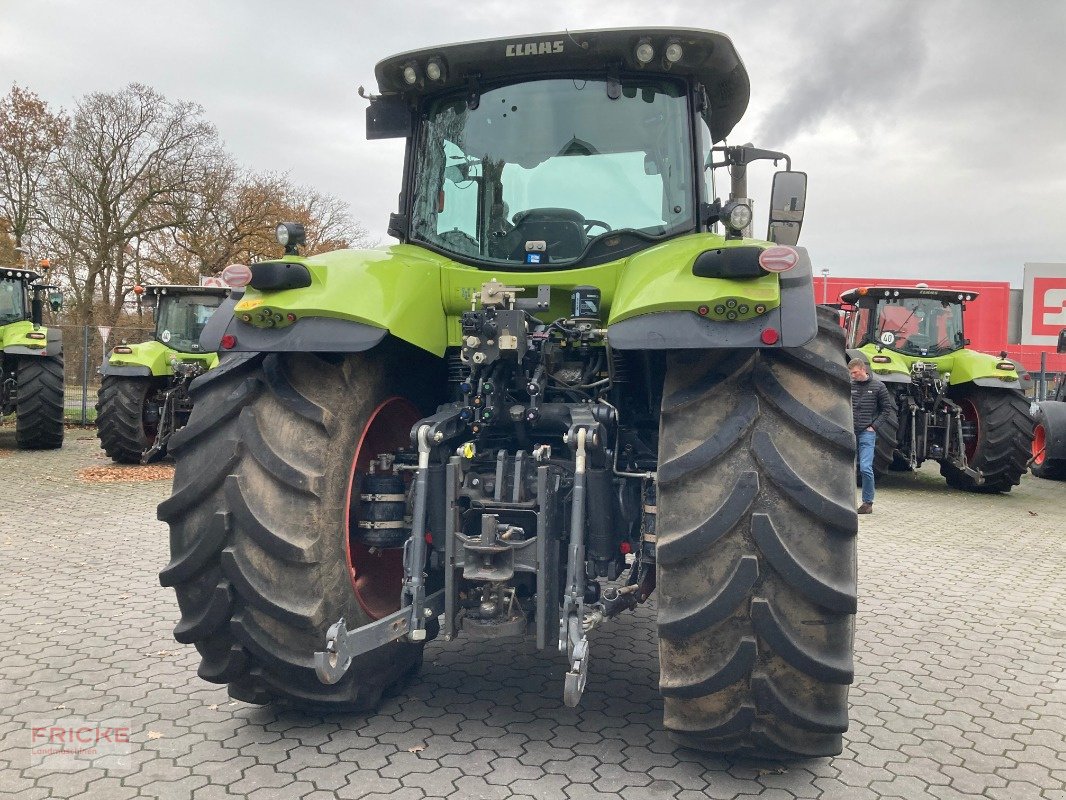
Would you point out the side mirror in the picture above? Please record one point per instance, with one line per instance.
(388, 117)
(787, 202)
(1061, 346)
(55, 300)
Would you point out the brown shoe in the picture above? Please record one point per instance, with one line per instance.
(866, 508)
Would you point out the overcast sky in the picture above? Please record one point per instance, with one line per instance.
(933, 133)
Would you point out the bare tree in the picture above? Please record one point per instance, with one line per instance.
(126, 171)
(30, 136)
(234, 218)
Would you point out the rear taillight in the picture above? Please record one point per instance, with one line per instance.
(778, 259)
(237, 275)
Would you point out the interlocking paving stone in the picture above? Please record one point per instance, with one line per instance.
(960, 671)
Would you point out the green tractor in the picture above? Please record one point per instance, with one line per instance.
(959, 407)
(144, 391)
(574, 381)
(31, 359)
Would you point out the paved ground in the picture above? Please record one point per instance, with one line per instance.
(960, 687)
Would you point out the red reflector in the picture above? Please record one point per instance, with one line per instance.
(702, 311)
(290, 317)
(429, 538)
(778, 259)
(769, 336)
(229, 341)
(626, 548)
(237, 275)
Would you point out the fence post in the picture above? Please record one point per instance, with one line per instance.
(85, 376)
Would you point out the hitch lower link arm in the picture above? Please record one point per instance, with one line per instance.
(572, 638)
(343, 645)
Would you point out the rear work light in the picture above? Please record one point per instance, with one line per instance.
(1005, 365)
(123, 350)
(237, 275)
(882, 360)
(35, 335)
(778, 259)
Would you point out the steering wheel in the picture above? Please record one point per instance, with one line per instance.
(589, 224)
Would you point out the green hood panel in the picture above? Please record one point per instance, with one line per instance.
(419, 296)
(963, 366)
(155, 357)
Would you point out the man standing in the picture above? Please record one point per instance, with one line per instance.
(871, 407)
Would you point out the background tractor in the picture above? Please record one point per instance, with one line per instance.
(1049, 430)
(956, 406)
(144, 392)
(31, 359)
(573, 382)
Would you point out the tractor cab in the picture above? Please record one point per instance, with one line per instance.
(573, 150)
(912, 321)
(23, 296)
(14, 295)
(181, 312)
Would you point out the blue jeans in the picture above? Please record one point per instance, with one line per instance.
(867, 442)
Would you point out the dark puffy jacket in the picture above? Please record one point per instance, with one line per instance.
(871, 404)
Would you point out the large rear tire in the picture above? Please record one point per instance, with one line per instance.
(262, 560)
(885, 450)
(1049, 437)
(756, 548)
(120, 422)
(39, 409)
(1001, 444)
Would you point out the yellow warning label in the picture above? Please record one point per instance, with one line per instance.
(248, 305)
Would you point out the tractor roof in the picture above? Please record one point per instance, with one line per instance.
(18, 273)
(708, 57)
(880, 292)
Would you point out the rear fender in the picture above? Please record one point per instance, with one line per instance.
(970, 366)
(151, 359)
(648, 307)
(895, 370)
(355, 298)
(15, 340)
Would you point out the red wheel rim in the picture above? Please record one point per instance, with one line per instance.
(969, 413)
(377, 578)
(1039, 443)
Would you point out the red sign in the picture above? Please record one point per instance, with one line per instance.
(1049, 306)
